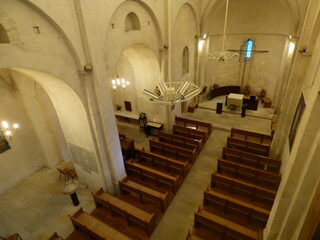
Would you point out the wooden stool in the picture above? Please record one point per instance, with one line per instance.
(266, 102)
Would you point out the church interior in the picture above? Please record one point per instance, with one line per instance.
(159, 119)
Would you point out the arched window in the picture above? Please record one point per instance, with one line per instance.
(132, 22)
(4, 38)
(185, 60)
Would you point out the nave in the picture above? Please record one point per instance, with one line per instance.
(178, 218)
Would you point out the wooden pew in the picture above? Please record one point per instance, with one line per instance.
(228, 204)
(162, 161)
(190, 133)
(180, 141)
(96, 228)
(55, 236)
(250, 159)
(131, 213)
(173, 180)
(254, 175)
(143, 192)
(173, 151)
(224, 228)
(249, 191)
(194, 124)
(251, 136)
(79, 234)
(247, 146)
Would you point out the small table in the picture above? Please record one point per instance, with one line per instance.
(154, 127)
(235, 99)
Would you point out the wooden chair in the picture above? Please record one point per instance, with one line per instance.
(63, 172)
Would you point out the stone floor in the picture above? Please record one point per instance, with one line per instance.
(37, 207)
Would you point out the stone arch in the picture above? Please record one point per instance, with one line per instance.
(291, 5)
(4, 38)
(132, 22)
(72, 118)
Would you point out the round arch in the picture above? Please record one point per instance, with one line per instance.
(72, 119)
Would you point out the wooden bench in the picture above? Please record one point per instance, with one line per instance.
(250, 159)
(55, 236)
(249, 191)
(127, 147)
(251, 136)
(228, 204)
(79, 234)
(254, 175)
(143, 192)
(198, 135)
(180, 141)
(131, 213)
(192, 106)
(247, 146)
(194, 124)
(96, 228)
(173, 151)
(224, 228)
(158, 160)
(173, 180)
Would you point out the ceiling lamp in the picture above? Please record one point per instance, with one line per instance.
(119, 82)
(7, 129)
(166, 92)
(224, 54)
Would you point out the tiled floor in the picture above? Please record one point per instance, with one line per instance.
(37, 207)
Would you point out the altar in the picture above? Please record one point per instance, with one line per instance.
(235, 99)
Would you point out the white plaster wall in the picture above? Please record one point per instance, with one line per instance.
(48, 51)
(25, 156)
(184, 35)
(266, 22)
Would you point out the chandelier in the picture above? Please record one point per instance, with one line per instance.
(173, 92)
(8, 129)
(119, 82)
(224, 54)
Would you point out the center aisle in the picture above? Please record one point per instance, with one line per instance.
(178, 218)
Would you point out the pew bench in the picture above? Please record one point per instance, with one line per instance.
(228, 204)
(248, 191)
(198, 135)
(256, 176)
(247, 146)
(79, 234)
(54, 236)
(250, 159)
(96, 228)
(144, 193)
(194, 124)
(173, 181)
(180, 141)
(173, 151)
(224, 228)
(251, 136)
(171, 165)
(131, 213)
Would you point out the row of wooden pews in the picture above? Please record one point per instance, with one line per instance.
(153, 178)
(241, 194)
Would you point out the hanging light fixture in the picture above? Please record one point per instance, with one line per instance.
(224, 54)
(119, 82)
(8, 129)
(167, 93)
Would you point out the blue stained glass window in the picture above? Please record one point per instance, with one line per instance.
(249, 48)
